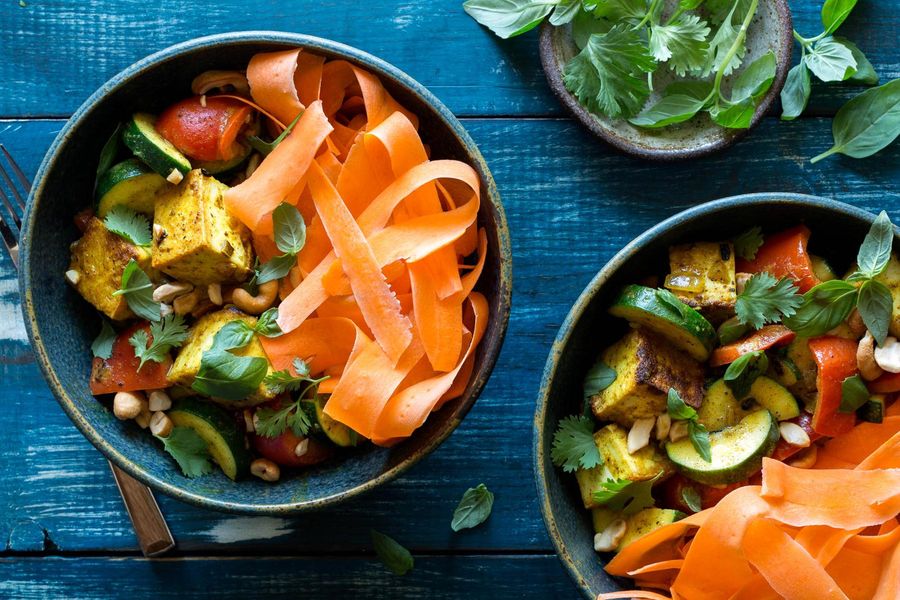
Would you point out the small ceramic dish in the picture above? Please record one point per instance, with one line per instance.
(771, 29)
(588, 328)
(61, 326)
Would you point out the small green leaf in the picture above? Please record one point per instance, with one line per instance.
(669, 110)
(834, 12)
(734, 116)
(267, 324)
(229, 377)
(731, 330)
(573, 444)
(233, 335)
(626, 497)
(508, 18)
(189, 450)
(598, 378)
(394, 556)
(138, 291)
(721, 44)
(168, 333)
(271, 422)
(875, 251)
(109, 152)
(741, 374)
(767, 300)
(747, 244)
(103, 343)
(474, 508)
(854, 394)
(677, 408)
(756, 79)
(680, 43)
(289, 228)
(564, 12)
(276, 268)
(699, 437)
(692, 499)
(830, 60)
(129, 225)
(875, 305)
(584, 25)
(865, 72)
(824, 307)
(795, 93)
(266, 148)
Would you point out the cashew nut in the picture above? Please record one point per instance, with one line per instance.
(255, 305)
(265, 469)
(608, 539)
(186, 303)
(888, 355)
(639, 434)
(214, 291)
(663, 424)
(169, 291)
(793, 434)
(865, 358)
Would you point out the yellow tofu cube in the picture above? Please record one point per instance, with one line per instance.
(99, 258)
(200, 339)
(646, 367)
(702, 275)
(647, 521)
(589, 481)
(646, 463)
(195, 239)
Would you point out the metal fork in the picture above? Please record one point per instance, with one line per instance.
(149, 524)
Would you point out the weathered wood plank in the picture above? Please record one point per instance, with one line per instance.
(435, 577)
(572, 203)
(56, 53)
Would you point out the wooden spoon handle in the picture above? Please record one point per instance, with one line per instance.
(149, 524)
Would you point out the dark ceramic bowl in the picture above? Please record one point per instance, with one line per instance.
(837, 228)
(771, 29)
(61, 325)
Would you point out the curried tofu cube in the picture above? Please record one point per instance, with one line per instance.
(646, 463)
(702, 275)
(99, 258)
(200, 339)
(195, 239)
(647, 521)
(589, 481)
(646, 367)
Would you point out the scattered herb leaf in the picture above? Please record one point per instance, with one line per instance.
(824, 307)
(767, 300)
(138, 291)
(741, 374)
(103, 343)
(692, 499)
(473, 509)
(624, 496)
(598, 378)
(394, 556)
(189, 451)
(875, 305)
(131, 226)
(747, 244)
(168, 333)
(573, 444)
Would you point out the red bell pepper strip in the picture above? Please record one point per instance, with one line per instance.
(784, 255)
(836, 359)
(763, 339)
(888, 383)
(783, 450)
(119, 372)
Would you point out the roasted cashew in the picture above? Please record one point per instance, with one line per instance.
(255, 305)
(865, 358)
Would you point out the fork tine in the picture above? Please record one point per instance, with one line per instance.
(17, 197)
(26, 183)
(11, 241)
(9, 207)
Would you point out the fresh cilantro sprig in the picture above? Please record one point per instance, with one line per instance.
(189, 451)
(573, 444)
(170, 332)
(285, 381)
(747, 244)
(290, 237)
(138, 291)
(473, 509)
(766, 300)
(103, 343)
(273, 422)
(625, 496)
(740, 374)
(129, 225)
(828, 304)
(697, 432)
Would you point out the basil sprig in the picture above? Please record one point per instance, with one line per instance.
(138, 291)
(697, 431)
(741, 374)
(290, 237)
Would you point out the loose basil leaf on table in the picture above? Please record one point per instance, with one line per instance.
(508, 18)
(474, 508)
(835, 12)
(394, 556)
(830, 60)
(795, 93)
(865, 72)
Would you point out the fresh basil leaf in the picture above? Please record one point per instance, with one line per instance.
(824, 307)
(609, 75)
(795, 93)
(867, 123)
(276, 268)
(834, 12)
(747, 244)
(229, 377)
(875, 305)
(598, 378)
(699, 437)
(289, 228)
(734, 116)
(573, 444)
(875, 251)
(267, 324)
(865, 72)
(103, 343)
(680, 43)
(699, 90)
(394, 556)
(669, 110)
(508, 18)
(138, 291)
(474, 508)
(677, 408)
(756, 79)
(830, 60)
(189, 450)
(692, 499)
(854, 394)
(108, 153)
(129, 225)
(564, 12)
(731, 330)
(741, 374)
(233, 335)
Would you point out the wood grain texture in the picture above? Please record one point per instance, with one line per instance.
(572, 203)
(57, 52)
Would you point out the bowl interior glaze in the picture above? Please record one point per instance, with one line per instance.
(771, 28)
(61, 325)
(837, 231)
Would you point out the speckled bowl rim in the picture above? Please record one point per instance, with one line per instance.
(583, 116)
(490, 347)
(539, 451)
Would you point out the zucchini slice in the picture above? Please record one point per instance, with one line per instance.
(141, 137)
(336, 432)
(737, 451)
(647, 521)
(129, 183)
(775, 398)
(218, 429)
(720, 409)
(660, 311)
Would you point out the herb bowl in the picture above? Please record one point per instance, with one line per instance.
(771, 29)
(61, 326)
(837, 232)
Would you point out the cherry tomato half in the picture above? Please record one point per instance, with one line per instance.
(204, 133)
(280, 450)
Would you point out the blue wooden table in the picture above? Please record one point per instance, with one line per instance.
(572, 203)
